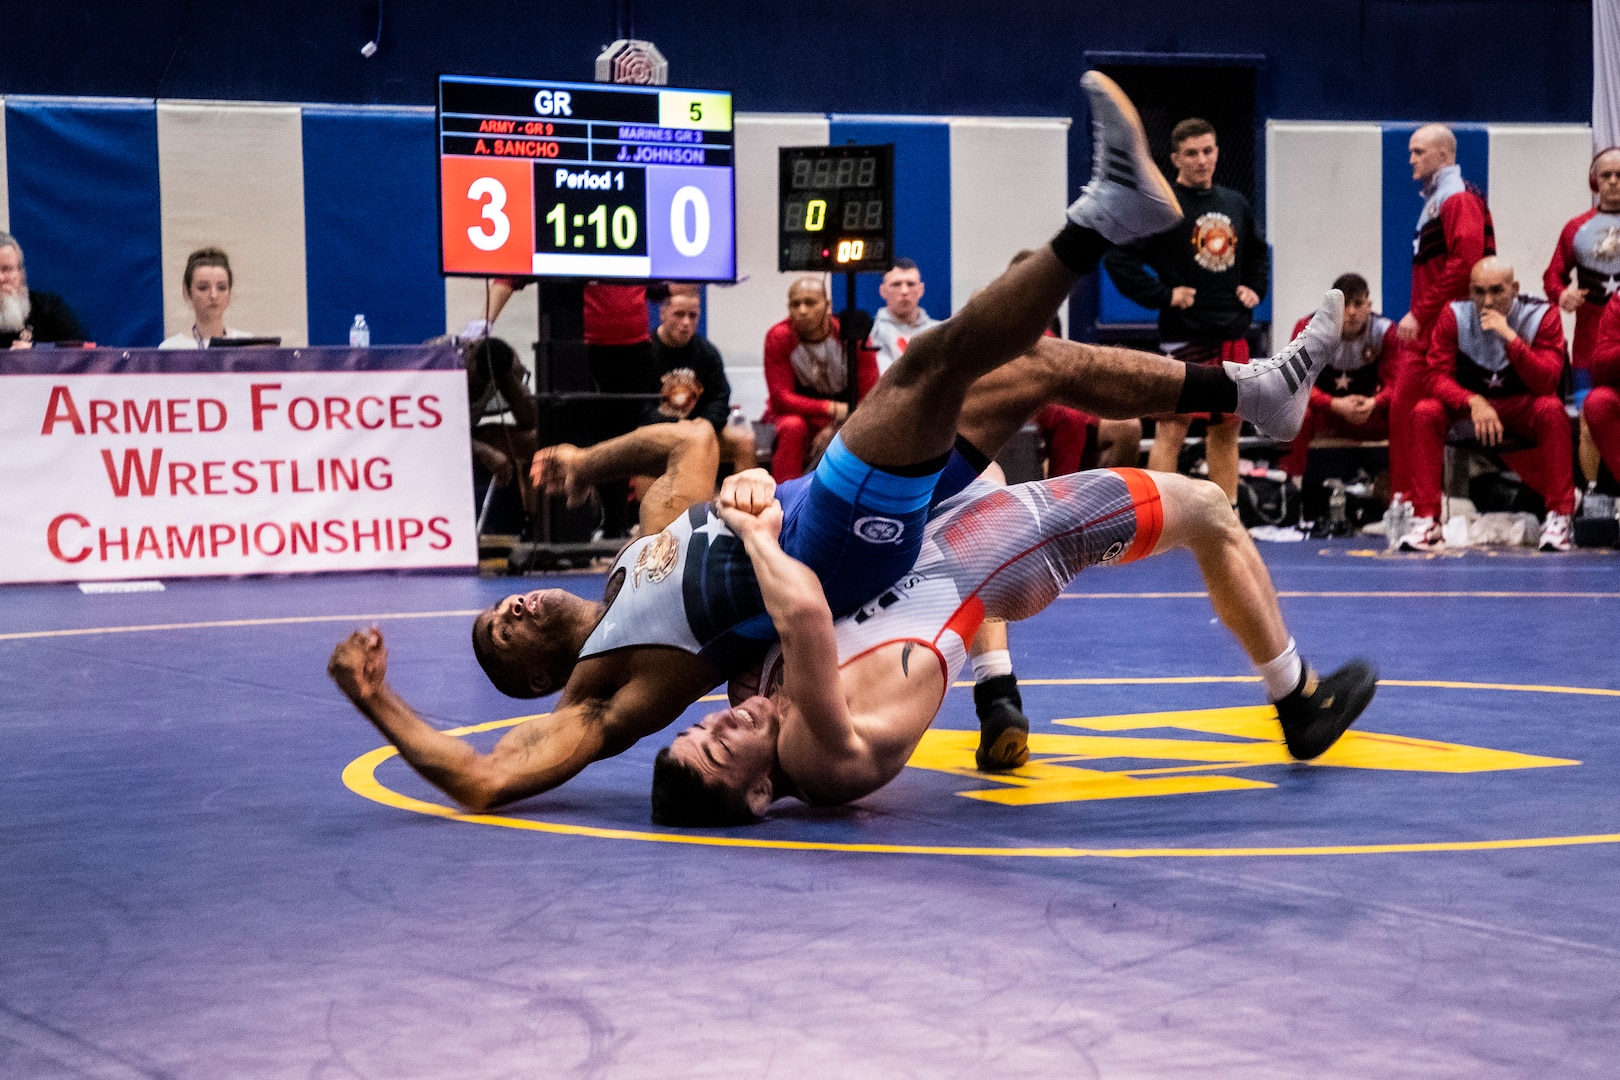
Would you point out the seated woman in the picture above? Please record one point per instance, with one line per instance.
(839, 710)
(207, 286)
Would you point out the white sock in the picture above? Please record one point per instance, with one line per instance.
(990, 663)
(1281, 675)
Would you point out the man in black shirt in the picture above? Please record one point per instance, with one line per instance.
(692, 378)
(1211, 269)
(27, 316)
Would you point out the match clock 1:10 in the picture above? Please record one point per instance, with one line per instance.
(836, 208)
(590, 211)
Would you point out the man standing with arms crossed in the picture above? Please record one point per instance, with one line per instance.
(1208, 273)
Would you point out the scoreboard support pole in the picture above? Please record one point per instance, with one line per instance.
(558, 538)
(854, 327)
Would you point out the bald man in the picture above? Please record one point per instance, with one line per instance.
(806, 376)
(1496, 359)
(1589, 249)
(1454, 232)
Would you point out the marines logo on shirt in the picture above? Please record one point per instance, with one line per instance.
(656, 560)
(678, 393)
(1597, 257)
(1214, 242)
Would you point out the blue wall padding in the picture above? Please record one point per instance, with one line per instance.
(1403, 203)
(83, 186)
(370, 225)
(922, 196)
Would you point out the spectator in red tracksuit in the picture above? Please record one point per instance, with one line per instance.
(1602, 408)
(1589, 248)
(1350, 398)
(1454, 232)
(1496, 359)
(806, 377)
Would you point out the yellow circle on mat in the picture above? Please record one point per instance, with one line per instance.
(360, 777)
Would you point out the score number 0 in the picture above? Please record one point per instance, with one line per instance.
(499, 228)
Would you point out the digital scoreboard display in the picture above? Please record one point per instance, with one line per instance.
(585, 180)
(836, 208)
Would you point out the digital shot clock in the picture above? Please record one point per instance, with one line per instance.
(836, 208)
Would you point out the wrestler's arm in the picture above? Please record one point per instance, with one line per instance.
(684, 456)
(810, 678)
(604, 710)
(536, 755)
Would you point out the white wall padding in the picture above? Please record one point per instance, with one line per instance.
(232, 176)
(1009, 184)
(739, 315)
(1537, 183)
(1324, 213)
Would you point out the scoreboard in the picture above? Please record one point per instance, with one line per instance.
(585, 180)
(836, 208)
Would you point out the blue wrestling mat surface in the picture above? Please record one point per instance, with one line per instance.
(212, 867)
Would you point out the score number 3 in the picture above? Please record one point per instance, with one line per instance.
(500, 225)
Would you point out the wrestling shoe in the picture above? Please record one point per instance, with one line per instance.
(1003, 727)
(1127, 197)
(1555, 533)
(1422, 534)
(1273, 394)
(1319, 710)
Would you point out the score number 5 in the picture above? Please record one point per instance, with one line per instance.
(500, 226)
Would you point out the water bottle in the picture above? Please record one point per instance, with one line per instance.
(1595, 505)
(359, 334)
(1396, 520)
(1337, 523)
(737, 422)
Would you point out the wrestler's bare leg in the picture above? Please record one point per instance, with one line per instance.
(1198, 517)
(1112, 383)
(911, 415)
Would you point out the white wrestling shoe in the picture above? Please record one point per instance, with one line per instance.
(1127, 197)
(1274, 393)
(1556, 533)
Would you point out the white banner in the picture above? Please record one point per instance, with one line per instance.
(111, 476)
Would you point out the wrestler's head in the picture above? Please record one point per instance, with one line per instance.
(720, 771)
(1357, 304)
(528, 643)
(1605, 178)
(1431, 148)
(809, 309)
(1492, 284)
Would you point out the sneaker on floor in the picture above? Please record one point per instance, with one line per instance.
(1274, 393)
(1556, 533)
(1127, 197)
(1319, 710)
(1422, 534)
(1003, 727)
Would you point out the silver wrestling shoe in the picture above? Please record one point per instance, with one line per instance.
(1274, 393)
(1127, 197)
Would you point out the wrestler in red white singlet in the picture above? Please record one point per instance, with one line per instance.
(849, 702)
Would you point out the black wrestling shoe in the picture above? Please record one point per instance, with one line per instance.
(1003, 727)
(1319, 710)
